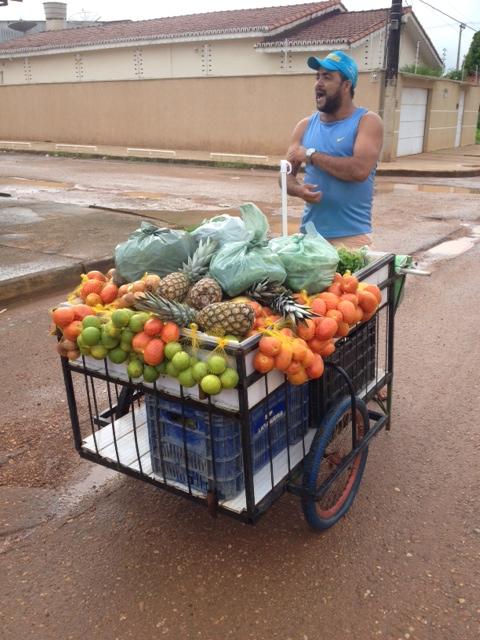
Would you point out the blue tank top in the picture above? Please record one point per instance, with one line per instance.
(346, 207)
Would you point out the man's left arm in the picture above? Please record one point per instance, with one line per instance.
(366, 153)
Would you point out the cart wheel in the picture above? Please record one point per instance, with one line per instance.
(331, 444)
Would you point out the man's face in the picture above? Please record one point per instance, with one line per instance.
(329, 90)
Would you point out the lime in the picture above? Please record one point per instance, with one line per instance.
(199, 370)
(181, 360)
(117, 356)
(137, 321)
(135, 369)
(162, 367)
(121, 317)
(171, 370)
(85, 351)
(109, 341)
(186, 378)
(91, 336)
(91, 321)
(231, 338)
(98, 351)
(127, 336)
(171, 348)
(150, 374)
(211, 385)
(193, 361)
(126, 346)
(111, 330)
(229, 378)
(216, 364)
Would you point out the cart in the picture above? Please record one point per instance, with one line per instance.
(237, 452)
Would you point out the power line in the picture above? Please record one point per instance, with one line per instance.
(446, 14)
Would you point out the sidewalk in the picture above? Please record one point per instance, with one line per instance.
(70, 240)
(458, 162)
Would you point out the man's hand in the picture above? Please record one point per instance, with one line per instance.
(309, 193)
(296, 153)
(306, 191)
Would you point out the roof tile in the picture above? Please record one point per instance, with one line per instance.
(234, 21)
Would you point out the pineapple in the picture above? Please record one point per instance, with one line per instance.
(204, 292)
(219, 319)
(175, 286)
(280, 300)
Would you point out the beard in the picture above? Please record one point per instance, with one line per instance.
(332, 103)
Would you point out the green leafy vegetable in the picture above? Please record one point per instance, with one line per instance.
(351, 259)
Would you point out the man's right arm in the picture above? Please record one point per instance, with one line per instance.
(295, 187)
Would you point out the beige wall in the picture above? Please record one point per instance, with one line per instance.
(252, 115)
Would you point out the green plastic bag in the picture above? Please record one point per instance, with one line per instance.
(223, 228)
(154, 250)
(239, 264)
(309, 260)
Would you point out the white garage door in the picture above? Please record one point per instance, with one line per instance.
(413, 110)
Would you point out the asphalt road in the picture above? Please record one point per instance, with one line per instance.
(93, 555)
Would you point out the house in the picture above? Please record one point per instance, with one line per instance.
(226, 81)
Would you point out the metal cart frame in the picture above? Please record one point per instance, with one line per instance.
(111, 414)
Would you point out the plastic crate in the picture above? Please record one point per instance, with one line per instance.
(357, 355)
(184, 438)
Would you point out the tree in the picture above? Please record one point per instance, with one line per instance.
(471, 63)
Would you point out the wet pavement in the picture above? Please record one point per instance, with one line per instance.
(88, 553)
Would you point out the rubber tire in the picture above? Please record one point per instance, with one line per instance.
(314, 458)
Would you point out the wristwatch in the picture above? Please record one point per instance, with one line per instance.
(308, 155)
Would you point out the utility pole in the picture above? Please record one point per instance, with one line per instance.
(462, 27)
(393, 42)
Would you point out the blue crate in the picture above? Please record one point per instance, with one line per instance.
(206, 440)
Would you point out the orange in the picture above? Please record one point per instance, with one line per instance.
(62, 316)
(299, 349)
(326, 329)
(316, 369)
(82, 310)
(93, 299)
(91, 286)
(263, 363)
(73, 330)
(335, 314)
(306, 329)
(270, 346)
(343, 329)
(319, 306)
(298, 378)
(96, 275)
(328, 349)
(153, 351)
(109, 293)
(308, 358)
(335, 288)
(331, 300)
(140, 341)
(367, 301)
(153, 326)
(138, 285)
(284, 358)
(360, 313)
(294, 367)
(338, 277)
(372, 288)
(123, 289)
(316, 345)
(300, 298)
(348, 310)
(287, 332)
(349, 284)
(170, 332)
(352, 297)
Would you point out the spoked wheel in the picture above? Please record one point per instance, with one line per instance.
(330, 447)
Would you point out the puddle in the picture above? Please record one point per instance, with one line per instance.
(390, 187)
(18, 215)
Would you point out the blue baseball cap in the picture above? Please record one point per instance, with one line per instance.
(336, 61)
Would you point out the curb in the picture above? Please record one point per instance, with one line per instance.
(384, 171)
(24, 287)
